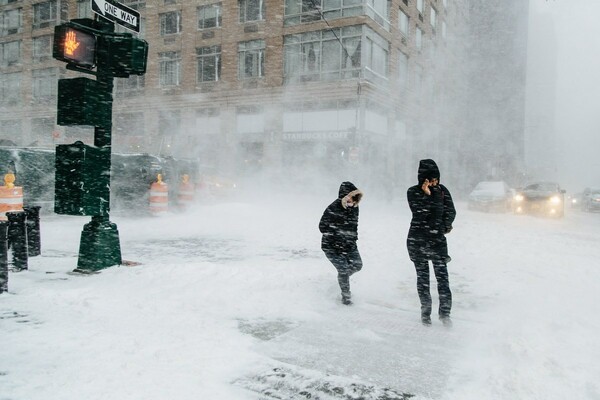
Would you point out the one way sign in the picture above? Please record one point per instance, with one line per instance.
(119, 13)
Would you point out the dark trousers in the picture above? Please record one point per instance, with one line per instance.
(441, 274)
(347, 263)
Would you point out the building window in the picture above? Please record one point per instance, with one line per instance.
(170, 68)
(84, 9)
(11, 22)
(135, 4)
(41, 130)
(130, 124)
(376, 56)
(420, 6)
(250, 119)
(433, 17)
(169, 129)
(402, 70)
(130, 131)
(209, 16)
(11, 131)
(10, 88)
(444, 29)
(336, 116)
(403, 20)
(129, 86)
(44, 84)
(379, 11)
(251, 59)
(319, 55)
(376, 120)
(206, 134)
(419, 38)
(303, 11)
(209, 64)
(417, 79)
(5, 2)
(252, 10)
(209, 121)
(45, 14)
(170, 23)
(10, 53)
(42, 48)
(445, 3)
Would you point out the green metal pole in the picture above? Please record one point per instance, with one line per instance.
(100, 247)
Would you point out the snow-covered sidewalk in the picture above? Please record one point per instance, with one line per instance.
(236, 301)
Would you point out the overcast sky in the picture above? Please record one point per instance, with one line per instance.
(577, 35)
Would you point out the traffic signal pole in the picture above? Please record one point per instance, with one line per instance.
(83, 171)
(100, 246)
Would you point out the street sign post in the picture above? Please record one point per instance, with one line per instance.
(83, 171)
(117, 13)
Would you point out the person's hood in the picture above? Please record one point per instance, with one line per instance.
(428, 169)
(347, 191)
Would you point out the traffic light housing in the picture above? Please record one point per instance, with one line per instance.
(85, 44)
(80, 102)
(82, 185)
(75, 45)
(123, 55)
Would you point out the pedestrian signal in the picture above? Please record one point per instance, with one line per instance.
(74, 45)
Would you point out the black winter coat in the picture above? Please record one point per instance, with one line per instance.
(432, 217)
(339, 223)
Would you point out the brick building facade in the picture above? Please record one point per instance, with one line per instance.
(245, 84)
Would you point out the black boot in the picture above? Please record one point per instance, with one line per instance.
(446, 321)
(425, 319)
(346, 298)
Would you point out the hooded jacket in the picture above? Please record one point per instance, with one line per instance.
(339, 223)
(432, 215)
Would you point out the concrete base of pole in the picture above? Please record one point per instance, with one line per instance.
(99, 247)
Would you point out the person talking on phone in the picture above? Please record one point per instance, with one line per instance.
(433, 213)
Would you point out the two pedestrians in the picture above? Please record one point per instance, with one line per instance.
(433, 213)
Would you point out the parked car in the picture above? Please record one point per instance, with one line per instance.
(591, 200)
(540, 198)
(491, 196)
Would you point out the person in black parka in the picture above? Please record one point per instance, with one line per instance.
(339, 226)
(433, 213)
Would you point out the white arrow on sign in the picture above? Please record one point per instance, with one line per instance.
(119, 13)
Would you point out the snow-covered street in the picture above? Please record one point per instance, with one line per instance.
(237, 301)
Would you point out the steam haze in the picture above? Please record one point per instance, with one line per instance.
(573, 24)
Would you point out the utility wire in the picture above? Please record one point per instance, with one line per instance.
(318, 8)
(358, 88)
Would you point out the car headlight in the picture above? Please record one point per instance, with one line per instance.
(519, 197)
(555, 200)
(574, 201)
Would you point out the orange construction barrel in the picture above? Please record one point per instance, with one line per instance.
(11, 196)
(185, 197)
(159, 197)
